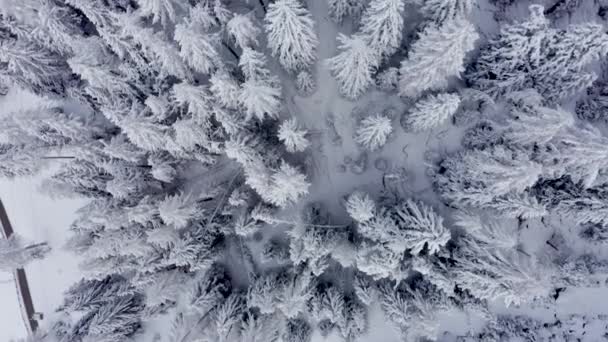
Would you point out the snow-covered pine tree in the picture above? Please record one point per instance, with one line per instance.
(263, 292)
(500, 234)
(261, 93)
(382, 25)
(391, 230)
(436, 56)
(441, 11)
(354, 65)
(108, 308)
(155, 46)
(432, 111)
(51, 24)
(293, 296)
(225, 89)
(426, 303)
(243, 30)
(388, 79)
(292, 136)
(33, 67)
(373, 132)
(586, 142)
(531, 122)
(341, 9)
(164, 12)
(305, 83)
(287, 185)
(522, 206)
(19, 160)
(297, 330)
(311, 241)
(360, 207)
(178, 210)
(379, 261)
(198, 48)
(477, 177)
(421, 227)
(533, 54)
(275, 251)
(587, 206)
(291, 34)
(395, 307)
(503, 273)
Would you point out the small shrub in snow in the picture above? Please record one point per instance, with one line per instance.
(292, 136)
(287, 185)
(305, 83)
(432, 111)
(373, 132)
(360, 207)
(388, 79)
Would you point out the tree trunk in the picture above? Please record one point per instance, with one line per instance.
(236, 55)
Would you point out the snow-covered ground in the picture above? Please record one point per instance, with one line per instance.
(10, 316)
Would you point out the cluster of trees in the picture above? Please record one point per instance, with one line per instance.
(169, 116)
(434, 58)
(158, 112)
(575, 327)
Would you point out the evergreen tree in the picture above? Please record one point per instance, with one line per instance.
(305, 83)
(341, 9)
(291, 35)
(243, 30)
(441, 11)
(436, 56)
(432, 111)
(477, 177)
(382, 25)
(529, 122)
(161, 11)
(373, 132)
(198, 48)
(292, 136)
(354, 66)
(33, 67)
(260, 94)
(18, 161)
(531, 54)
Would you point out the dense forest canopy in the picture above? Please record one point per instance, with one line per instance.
(281, 170)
